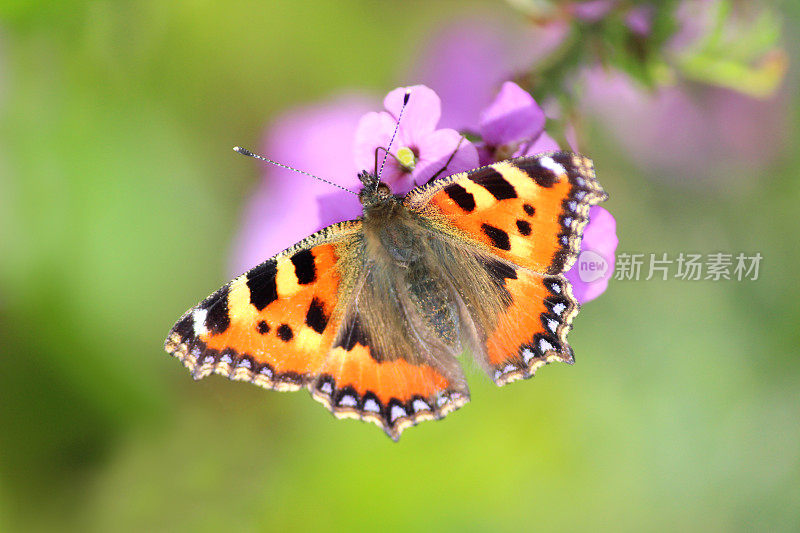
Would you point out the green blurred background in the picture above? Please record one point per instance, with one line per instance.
(119, 201)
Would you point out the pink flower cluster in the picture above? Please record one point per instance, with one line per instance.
(337, 140)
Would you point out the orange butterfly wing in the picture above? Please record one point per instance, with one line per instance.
(528, 213)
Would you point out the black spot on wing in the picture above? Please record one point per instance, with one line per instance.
(304, 267)
(498, 237)
(261, 282)
(185, 327)
(460, 196)
(544, 177)
(524, 227)
(285, 333)
(316, 318)
(529, 210)
(496, 184)
(217, 319)
(263, 327)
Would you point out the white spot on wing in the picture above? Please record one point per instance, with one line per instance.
(396, 413)
(545, 346)
(552, 324)
(420, 405)
(226, 359)
(326, 387)
(527, 355)
(199, 318)
(372, 406)
(550, 164)
(559, 308)
(348, 401)
(244, 363)
(266, 372)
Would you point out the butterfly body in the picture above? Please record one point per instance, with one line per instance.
(371, 315)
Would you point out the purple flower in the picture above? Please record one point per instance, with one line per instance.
(419, 150)
(512, 126)
(595, 265)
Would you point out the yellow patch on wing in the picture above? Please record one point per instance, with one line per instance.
(239, 307)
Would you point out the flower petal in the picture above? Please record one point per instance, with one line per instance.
(513, 116)
(543, 143)
(436, 148)
(374, 131)
(599, 241)
(421, 114)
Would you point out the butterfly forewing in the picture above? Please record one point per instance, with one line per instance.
(530, 211)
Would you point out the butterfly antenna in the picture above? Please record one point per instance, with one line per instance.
(394, 133)
(248, 153)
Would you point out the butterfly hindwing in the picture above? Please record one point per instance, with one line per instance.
(532, 330)
(394, 394)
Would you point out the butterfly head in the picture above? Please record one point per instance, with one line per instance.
(375, 196)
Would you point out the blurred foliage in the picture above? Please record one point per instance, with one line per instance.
(737, 45)
(119, 198)
(741, 52)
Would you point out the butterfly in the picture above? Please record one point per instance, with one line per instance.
(371, 315)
